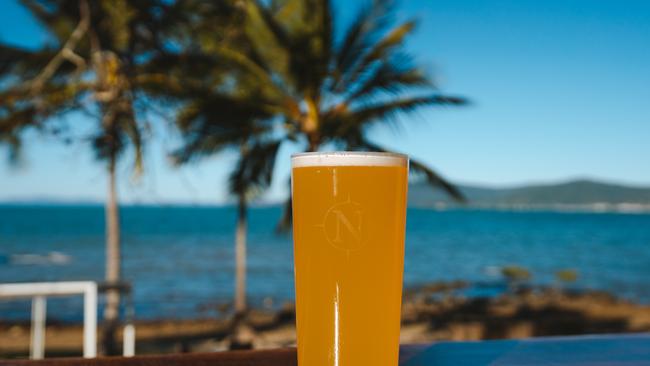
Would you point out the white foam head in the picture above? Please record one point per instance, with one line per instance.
(348, 158)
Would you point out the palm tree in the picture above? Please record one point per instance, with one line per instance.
(97, 63)
(292, 79)
(213, 85)
(242, 124)
(329, 91)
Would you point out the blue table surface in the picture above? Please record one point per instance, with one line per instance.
(627, 350)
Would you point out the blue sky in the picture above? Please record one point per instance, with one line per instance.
(560, 90)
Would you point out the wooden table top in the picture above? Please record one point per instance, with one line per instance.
(620, 349)
(278, 357)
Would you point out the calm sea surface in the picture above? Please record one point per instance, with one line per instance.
(180, 259)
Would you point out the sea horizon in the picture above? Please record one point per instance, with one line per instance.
(567, 195)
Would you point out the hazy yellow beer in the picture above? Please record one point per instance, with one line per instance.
(349, 213)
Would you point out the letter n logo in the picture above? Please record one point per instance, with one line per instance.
(344, 226)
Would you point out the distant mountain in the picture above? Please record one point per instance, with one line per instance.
(578, 194)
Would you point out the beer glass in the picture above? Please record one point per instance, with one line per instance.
(349, 215)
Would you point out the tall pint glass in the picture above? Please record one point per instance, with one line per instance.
(349, 215)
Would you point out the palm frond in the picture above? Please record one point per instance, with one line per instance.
(10, 57)
(19, 110)
(390, 77)
(276, 29)
(435, 180)
(366, 28)
(39, 11)
(327, 31)
(129, 126)
(382, 51)
(14, 119)
(240, 60)
(349, 121)
(418, 168)
(14, 144)
(217, 121)
(24, 65)
(268, 44)
(195, 147)
(254, 170)
(312, 49)
(391, 41)
(179, 75)
(108, 142)
(48, 17)
(291, 13)
(287, 214)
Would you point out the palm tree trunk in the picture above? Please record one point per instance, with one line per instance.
(313, 139)
(241, 333)
(113, 263)
(311, 124)
(240, 257)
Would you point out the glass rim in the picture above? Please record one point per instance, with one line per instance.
(354, 153)
(349, 158)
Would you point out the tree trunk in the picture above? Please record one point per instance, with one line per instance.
(240, 257)
(311, 123)
(314, 141)
(113, 263)
(241, 334)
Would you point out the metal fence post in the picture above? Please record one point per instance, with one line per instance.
(90, 320)
(38, 327)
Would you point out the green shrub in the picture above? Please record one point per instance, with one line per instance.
(515, 273)
(566, 275)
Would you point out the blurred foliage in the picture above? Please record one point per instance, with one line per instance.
(97, 61)
(566, 275)
(514, 273)
(236, 73)
(279, 72)
(101, 61)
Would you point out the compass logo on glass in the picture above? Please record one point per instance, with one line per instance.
(343, 226)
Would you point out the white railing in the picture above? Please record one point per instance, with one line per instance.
(38, 291)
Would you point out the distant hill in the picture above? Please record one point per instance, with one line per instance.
(578, 194)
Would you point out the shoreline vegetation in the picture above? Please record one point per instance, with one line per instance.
(575, 196)
(432, 312)
(580, 195)
(592, 208)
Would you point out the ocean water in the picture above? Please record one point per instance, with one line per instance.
(180, 259)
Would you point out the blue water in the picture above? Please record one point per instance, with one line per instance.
(180, 259)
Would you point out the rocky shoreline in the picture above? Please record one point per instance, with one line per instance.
(430, 313)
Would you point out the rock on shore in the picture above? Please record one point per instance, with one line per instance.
(430, 313)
